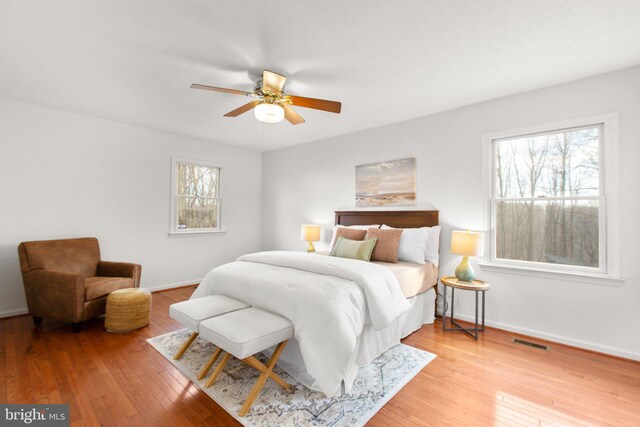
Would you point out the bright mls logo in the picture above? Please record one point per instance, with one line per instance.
(34, 415)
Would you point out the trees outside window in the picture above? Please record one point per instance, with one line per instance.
(195, 196)
(547, 198)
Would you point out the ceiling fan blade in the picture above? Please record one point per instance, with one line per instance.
(246, 107)
(273, 81)
(293, 117)
(316, 104)
(219, 89)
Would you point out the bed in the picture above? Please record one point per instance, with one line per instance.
(345, 312)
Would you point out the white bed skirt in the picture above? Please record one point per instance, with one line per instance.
(371, 343)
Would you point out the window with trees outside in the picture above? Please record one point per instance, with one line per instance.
(195, 197)
(548, 205)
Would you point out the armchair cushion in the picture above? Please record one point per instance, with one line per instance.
(96, 287)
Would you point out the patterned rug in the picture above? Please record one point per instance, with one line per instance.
(374, 386)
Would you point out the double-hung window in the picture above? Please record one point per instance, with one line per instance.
(195, 197)
(549, 198)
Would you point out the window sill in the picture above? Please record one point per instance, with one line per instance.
(572, 276)
(196, 233)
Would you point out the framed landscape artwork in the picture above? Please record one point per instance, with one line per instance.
(386, 183)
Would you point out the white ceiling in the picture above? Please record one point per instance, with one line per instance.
(386, 61)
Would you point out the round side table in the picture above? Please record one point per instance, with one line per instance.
(478, 286)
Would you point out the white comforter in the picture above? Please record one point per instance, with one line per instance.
(328, 300)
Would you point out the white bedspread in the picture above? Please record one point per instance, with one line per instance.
(328, 300)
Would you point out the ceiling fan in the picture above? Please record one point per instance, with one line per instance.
(272, 104)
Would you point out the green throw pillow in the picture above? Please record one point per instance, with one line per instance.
(355, 249)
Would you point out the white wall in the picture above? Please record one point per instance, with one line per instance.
(306, 183)
(68, 175)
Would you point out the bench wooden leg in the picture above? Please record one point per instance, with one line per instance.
(266, 372)
(254, 362)
(205, 369)
(185, 346)
(216, 372)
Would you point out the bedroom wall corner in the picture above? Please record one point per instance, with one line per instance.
(296, 190)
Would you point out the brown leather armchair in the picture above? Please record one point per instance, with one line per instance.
(66, 280)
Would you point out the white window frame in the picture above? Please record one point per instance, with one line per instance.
(608, 273)
(174, 231)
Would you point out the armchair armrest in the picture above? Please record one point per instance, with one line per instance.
(55, 294)
(120, 269)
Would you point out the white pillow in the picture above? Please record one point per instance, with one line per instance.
(411, 252)
(413, 243)
(432, 251)
(358, 227)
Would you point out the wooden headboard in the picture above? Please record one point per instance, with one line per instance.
(397, 219)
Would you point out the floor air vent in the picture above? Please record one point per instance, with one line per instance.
(531, 344)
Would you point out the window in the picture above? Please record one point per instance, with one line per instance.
(195, 197)
(548, 198)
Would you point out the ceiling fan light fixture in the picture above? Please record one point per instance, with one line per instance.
(270, 103)
(269, 113)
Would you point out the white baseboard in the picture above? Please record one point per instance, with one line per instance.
(557, 338)
(507, 327)
(171, 285)
(14, 312)
(24, 310)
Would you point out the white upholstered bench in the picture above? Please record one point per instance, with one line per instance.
(191, 312)
(244, 333)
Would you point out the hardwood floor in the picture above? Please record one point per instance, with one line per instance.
(119, 380)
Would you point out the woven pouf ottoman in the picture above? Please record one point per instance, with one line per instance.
(127, 309)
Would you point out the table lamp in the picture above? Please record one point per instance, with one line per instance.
(310, 233)
(466, 243)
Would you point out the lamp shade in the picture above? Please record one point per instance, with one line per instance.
(269, 113)
(310, 233)
(467, 243)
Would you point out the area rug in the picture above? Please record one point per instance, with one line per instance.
(374, 386)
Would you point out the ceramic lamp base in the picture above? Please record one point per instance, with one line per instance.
(464, 271)
(310, 248)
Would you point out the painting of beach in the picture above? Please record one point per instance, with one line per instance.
(386, 183)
